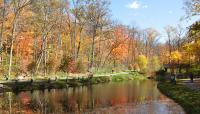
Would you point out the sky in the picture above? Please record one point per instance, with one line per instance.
(149, 13)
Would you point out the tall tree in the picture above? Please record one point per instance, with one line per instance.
(18, 6)
(192, 7)
(170, 30)
(2, 21)
(97, 14)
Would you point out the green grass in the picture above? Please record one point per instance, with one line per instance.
(187, 98)
(128, 76)
(42, 83)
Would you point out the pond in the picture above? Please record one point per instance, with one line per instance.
(133, 97)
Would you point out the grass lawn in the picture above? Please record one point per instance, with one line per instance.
(187, 98)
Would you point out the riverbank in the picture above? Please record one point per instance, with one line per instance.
(60, 82)
(189, 99)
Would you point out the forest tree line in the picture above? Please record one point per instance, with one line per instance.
(42, 37)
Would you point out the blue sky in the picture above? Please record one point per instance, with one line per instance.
(149, 13)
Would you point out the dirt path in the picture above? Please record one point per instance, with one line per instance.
(194, 86)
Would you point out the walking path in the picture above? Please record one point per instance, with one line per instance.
(194, 86)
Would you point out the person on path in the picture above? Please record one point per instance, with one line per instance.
(173, 78)
(191, 77)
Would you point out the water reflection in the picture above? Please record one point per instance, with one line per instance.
(114, 98)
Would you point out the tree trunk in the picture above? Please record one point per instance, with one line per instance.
(74, 50)
(1, 35)
(44, 53)
(12, 43)
(93, 43)
(79, 44)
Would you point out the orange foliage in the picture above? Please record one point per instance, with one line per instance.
(119, 46)
(23, 48)
(120, 52)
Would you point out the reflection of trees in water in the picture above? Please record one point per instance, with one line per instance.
(83, 99)
(44, 102)
(38, 102)
(62, 101)
(5, 104)
(77, 99)
(67, 102)
(12, 103)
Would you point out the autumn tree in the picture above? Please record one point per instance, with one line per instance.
(79, 13)
(3, 9)
(192, 7)
(119, 48)
(175, 56)
(46, 23)
(170, 32)
(156, 63)
(49, 36)
(18, 6)
(142, 62)
(97, 12)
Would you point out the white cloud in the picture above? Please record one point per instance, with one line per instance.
(170, 12)
(134, 5)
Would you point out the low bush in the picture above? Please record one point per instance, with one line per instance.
(67, 65)
(80, 68)
(31, 67)
(195, 71)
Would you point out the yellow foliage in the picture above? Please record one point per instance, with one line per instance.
(142, 61)
(188, 47)
(197, 45)
(175, 56)
(156, 63)
(192, 48)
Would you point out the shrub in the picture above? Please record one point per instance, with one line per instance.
(51, 65)
(130, 67)
(195, 71)
(142, 62)
(80, 67)
(32, 67)
(67, 65)
(2, 70)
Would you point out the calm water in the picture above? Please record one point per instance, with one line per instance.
(134, 97)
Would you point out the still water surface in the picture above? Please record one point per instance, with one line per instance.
(134, 97)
